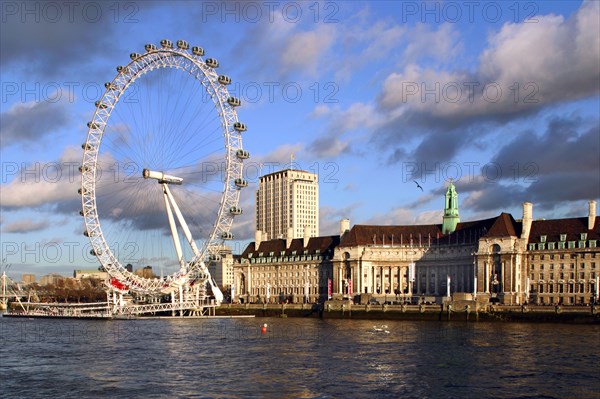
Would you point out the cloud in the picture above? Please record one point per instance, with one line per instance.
(304, 51)
(31, 122)
(357, 117)
(404, 216)
(25, 226)
(63, 34)
(330, 217)
(535, 167)
(38, 187)
(425, 42)
(525, 68)
(539, 154)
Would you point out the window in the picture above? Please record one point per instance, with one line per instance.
(551, 247)
(583, 236)
(532, 247)
(563, 237)
(542, 238)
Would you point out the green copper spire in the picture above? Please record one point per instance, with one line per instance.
(451, 218)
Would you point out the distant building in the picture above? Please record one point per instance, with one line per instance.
(51, 279)
(287, 199)
(96, 274)
(28, 278)
(221, 269)
(145, 272)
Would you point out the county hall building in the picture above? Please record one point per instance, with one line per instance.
(497, 260)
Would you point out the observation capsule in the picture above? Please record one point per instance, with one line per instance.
(134, 56)
(93, 125)
(239, 182)
(242, 154)
(224, 79)
(110, 86)
(234, 210)
(182, 44)
(234, 101)
(211, 62)
(150, 47)
(239, 126)
(227, 236)
(166, 43)
(100, 105)
(198, 51)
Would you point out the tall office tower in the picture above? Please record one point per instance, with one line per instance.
(288, 199)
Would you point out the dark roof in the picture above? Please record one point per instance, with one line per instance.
(504, 226)
(323, 244)
(572, 227)
(466, 232)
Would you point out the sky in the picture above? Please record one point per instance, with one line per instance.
(502, 98)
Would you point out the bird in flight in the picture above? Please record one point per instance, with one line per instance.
(419, 186)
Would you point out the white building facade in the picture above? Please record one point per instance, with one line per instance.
(288, 199)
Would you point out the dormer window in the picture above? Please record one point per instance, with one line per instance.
(542, 238)
(563, 237)
(583, 236)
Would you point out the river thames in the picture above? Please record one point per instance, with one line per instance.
(296, 358)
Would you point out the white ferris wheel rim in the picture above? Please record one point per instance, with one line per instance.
(168, 56)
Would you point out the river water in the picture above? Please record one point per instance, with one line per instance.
(296, 358)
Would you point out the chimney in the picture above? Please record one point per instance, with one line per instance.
(290, 237)
(344, 227)
(306, 236)
(527, 219)
(592, 215)
(257, 239)
(265, 236)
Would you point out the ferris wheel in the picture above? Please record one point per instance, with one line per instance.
(162, 171)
